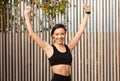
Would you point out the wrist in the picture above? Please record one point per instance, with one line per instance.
(88, 12)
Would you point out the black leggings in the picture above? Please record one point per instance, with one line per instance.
(58, 77)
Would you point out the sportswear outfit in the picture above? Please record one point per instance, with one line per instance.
(60, 58)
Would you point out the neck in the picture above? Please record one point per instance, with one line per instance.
(59, 45)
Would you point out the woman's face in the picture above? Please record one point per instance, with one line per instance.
(59, 35)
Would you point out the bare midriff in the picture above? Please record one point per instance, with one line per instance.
(61, 69)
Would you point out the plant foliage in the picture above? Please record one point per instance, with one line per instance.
(53, 8)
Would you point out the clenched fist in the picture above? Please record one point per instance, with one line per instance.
(86, 8)
(27, 10)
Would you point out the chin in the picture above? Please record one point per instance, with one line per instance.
(60, 42)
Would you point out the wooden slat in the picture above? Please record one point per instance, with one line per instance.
(1, 51)
(118, 56)
(26, 56)
(23, 59)
(1, 44)
(1, 56)
(114, 41)
(118, 40)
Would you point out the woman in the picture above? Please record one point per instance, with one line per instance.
(59, 54)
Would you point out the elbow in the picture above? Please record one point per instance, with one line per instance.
(31, 33)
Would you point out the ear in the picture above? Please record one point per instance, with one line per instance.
(52, 36)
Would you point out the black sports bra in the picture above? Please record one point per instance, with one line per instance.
(59, 57)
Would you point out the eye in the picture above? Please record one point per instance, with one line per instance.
(56, 34)
(62, 33)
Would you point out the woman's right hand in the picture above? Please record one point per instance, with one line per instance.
(27, 10)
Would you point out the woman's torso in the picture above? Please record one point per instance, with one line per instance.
(61, 61)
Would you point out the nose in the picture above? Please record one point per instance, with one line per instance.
(60, 36)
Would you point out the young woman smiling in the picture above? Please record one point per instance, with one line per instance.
(59, 54)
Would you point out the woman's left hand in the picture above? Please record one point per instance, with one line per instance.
(86, 8)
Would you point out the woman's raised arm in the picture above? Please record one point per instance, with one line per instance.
(75, 40)
(41, 43)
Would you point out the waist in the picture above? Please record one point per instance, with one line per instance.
(61, 69)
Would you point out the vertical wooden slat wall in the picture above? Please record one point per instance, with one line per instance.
(95, 58)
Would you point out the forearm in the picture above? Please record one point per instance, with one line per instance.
(29, 28)
(82, 26)
(84, 22)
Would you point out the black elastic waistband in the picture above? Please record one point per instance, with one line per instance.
(59, 77)
(55, 74)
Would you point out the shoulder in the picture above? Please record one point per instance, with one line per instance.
(49, 51)
(67, 46)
